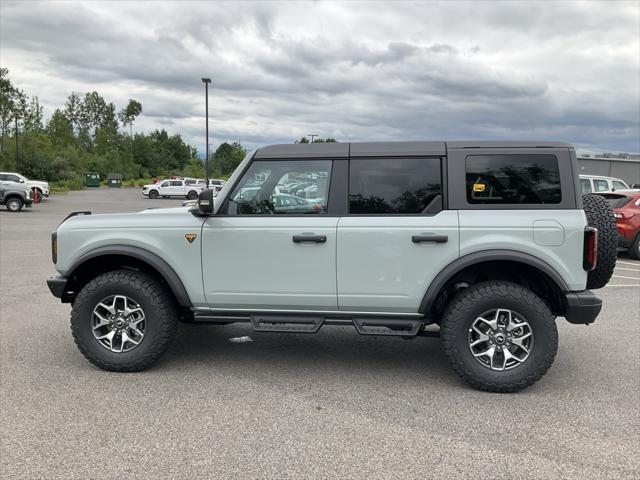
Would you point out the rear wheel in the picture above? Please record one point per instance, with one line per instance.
(192, 195)
(153, 194)
(600, 216)
(14, 204)
(124, 320)
(499, 336)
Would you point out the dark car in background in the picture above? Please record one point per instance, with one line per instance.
(626, 209)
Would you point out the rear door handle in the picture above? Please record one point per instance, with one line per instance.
(309, 238)
(429, 238)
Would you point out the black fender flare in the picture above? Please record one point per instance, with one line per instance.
(168, 274)
(471, 259)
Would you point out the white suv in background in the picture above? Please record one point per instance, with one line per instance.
(595, 183)
(39, 188)
(172, 188)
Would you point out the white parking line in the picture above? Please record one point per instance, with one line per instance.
(635, 264)
(628, 278)
(635, 286)
(628, 269)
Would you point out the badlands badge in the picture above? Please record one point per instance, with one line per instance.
(190, 237)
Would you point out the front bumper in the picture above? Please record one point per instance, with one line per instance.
(582, 308)
(57, 285)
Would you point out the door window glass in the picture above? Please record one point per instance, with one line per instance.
(513, 179)
(585, 185)
(272, 187)
(618, 185)
(601, 185)
(165, 184)
(395, 186)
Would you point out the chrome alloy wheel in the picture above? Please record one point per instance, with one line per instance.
(118, 323)
(500, 339)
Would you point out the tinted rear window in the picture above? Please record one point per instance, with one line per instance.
(513, 179)
(395, 186)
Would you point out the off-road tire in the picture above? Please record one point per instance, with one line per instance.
(153, 194)
(14, 204)
(600, 216)
(471, 302)
(634, 249)
(192, 195)
(161, 319)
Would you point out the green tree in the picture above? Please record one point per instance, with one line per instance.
(128, 115)
(226, 158)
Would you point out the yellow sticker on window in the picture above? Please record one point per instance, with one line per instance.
(479, 187)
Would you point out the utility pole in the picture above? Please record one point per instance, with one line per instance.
(206, 82)
(313, 135)
(17, 151)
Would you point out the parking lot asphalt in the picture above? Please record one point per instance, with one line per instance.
(331, 405)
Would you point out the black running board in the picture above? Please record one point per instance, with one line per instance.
(376, 326)
(286, 323)
(311, 323)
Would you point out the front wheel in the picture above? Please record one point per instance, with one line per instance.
(153, 194)
(499, 336)
(124, 320)
(14, 204)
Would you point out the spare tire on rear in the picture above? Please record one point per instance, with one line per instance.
(600, 216)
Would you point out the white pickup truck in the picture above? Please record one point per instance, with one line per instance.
(172, 188)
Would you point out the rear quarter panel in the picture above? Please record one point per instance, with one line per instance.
(554, 236)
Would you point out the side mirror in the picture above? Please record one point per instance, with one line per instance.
(205, 201)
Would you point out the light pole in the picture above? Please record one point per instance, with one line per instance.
(313, 135)
(206, 82)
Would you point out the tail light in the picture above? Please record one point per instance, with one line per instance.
(54, 247)
(590, 254)
(625, 215)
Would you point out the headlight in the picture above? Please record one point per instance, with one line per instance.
(28, 193)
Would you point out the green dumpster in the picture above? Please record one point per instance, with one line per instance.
(114, 180)
(92, 179)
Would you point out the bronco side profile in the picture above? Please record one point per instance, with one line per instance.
(483, 244)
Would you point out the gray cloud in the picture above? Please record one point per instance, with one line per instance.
(561, 71)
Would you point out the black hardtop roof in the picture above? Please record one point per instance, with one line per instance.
(385, 149)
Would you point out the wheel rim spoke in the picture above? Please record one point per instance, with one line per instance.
(502, 343)
(118, 323)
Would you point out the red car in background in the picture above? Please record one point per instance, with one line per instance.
(626, 208)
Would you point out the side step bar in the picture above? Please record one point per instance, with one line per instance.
(286, 323)
(374, 326)
(310, 323)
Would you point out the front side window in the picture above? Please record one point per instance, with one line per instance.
(513, 179)
(273, 187)
(618, 185)
(165, 184)
(601, 185)
(585, 185)
(395, 186)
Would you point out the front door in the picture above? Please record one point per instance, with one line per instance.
(397, 237)
(271, 251)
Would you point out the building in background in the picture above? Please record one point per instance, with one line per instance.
(620, 165)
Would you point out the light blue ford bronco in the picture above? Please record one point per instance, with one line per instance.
(483, 244)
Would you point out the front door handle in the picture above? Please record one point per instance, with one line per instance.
(429, 238)
(309, 238)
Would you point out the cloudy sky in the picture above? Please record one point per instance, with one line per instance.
(351, 70)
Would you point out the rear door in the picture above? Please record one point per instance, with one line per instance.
(259, 255)
(396, 237)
